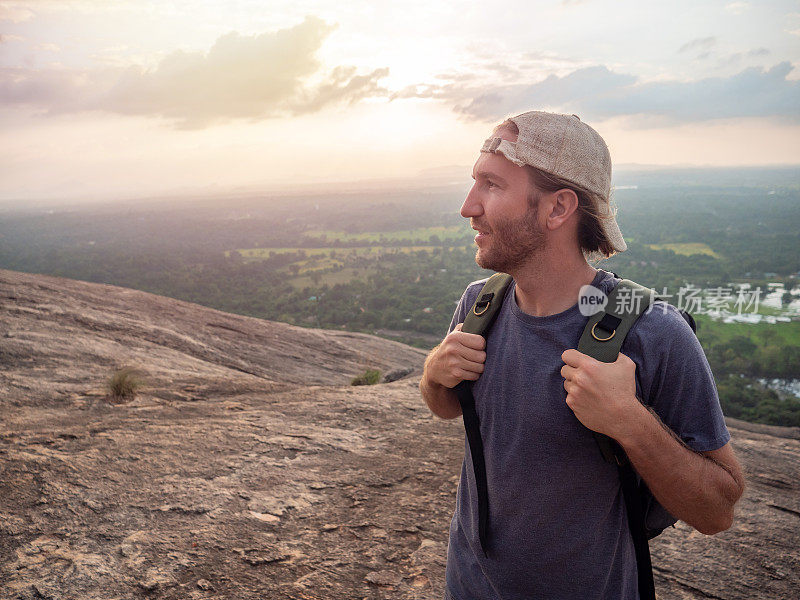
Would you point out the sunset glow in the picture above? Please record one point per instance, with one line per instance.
(119, 98)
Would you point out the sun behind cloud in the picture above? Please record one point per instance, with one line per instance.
(273, 74)
(126, 97)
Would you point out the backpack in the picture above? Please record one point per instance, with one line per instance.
(602, 339)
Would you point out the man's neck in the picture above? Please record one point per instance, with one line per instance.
(551, 281)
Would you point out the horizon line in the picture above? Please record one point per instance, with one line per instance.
(441, 179)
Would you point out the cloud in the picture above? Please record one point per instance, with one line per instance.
(240, 77)
(738, 57)
(14, 13)
(737, 8)
(47, 47)
(598, 93)
(703, 48)
(791, 21)
(700, 44)
(343, 85)
(490, 102)
(577, 88)
(5, 38)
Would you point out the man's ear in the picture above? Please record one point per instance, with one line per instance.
(561, 206)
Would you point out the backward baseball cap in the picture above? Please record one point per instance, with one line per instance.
(566, 147)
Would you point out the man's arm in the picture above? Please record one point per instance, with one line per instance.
(442, 401)
(459, 357)
(698, 488)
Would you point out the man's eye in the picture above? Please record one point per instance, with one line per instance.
(490, 184)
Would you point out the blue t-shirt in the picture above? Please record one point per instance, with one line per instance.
(557, 522)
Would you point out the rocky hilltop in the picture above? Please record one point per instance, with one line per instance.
(248, 468)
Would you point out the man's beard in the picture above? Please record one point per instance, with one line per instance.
(511, 243)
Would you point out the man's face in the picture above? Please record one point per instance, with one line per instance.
(501, 210)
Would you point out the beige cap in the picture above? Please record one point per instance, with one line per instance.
(566, 147)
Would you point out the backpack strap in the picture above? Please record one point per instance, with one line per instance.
(605, 332)
(602, 339)
(481, 316)
(479, 320)
(636, 512)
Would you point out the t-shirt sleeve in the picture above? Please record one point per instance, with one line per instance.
(675, 379)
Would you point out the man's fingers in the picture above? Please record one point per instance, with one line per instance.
(472, 355)
(459, 362)
(472, 340)
(576, 359)
(467, 375)
(624, 359)
(568, 372)
(473, 367)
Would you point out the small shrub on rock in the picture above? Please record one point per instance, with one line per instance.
(368, 377)
(124, 384)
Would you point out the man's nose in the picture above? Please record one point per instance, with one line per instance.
(472, 206)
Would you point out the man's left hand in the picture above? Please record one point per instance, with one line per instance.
(602, 395)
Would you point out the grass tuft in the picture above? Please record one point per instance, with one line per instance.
(368, 377)
(124, 384)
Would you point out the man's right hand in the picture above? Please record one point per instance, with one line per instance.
(460, 357)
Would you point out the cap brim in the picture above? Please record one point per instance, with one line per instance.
(614, 235)
(497, 145)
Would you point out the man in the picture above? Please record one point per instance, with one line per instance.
(557, 522)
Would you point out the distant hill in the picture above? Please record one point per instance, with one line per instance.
(249, 468)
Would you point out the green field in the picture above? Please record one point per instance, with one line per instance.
(331, 266)
(788, 332)
(420, 234)
(342, 276)
(686, 249)
(335, 254)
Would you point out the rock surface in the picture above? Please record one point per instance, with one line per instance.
(249, 469)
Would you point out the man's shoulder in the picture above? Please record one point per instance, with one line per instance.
(663, 316)
(663, 329)
(479, 283)
(660, 321)
(675, 378)
(472, 290)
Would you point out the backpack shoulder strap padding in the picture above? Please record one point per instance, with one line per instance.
(482, 314)
(605, 332)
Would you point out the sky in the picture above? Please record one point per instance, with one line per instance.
(118, 98)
